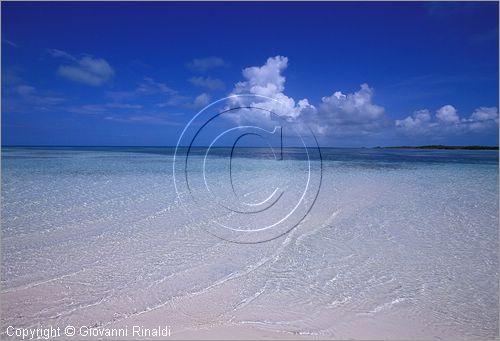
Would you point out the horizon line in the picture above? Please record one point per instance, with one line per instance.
(229, 146)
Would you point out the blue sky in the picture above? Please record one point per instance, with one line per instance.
(135, 73)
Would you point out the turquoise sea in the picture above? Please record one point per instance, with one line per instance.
(390, 243)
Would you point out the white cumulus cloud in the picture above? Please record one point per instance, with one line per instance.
(357, 107)
(267, 80)
(484, 114)
(419, 122)
(447, 121)
(447, 114)
(338, 114)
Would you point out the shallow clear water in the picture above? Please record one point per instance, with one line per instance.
(398, 243)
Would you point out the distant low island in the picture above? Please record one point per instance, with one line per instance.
(439, 146)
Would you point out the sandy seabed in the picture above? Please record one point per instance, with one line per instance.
(396, 246)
